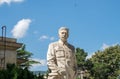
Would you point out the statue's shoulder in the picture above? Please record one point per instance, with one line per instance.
(53, 43)
(71, 46)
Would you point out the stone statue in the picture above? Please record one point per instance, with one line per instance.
(61, 58)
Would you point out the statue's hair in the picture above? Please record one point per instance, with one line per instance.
(63, 28)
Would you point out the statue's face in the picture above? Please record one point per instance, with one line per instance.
(63, 35)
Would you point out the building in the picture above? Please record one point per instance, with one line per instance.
(8, 54)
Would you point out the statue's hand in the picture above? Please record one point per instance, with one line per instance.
(62, 71)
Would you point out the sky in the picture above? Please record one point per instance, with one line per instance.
(94, 24)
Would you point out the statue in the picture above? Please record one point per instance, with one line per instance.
(61, 58)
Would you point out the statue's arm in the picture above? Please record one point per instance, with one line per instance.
(51, 60)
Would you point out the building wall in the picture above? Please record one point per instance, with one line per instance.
(10, 57)
(1, 59)
(8, 51)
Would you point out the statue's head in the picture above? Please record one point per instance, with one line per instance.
(63, 33)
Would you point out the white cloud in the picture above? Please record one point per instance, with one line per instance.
(104, 46)
(90, 55)
(42, 62)
(45, 37)
(52, 38)
(35, 32)
(10, 1)
(36, 67)
(20, 28)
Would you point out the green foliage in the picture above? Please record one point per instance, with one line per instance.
(103, 64)
(25, 55)
(106, 63)
(81, 57)
(83, 64)
(13, 72)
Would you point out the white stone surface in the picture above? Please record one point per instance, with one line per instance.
(61, 58)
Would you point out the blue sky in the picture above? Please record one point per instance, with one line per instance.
(94, 24)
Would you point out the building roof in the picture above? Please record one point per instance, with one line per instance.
(9, 43)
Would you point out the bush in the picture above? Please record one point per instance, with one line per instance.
(13, 72)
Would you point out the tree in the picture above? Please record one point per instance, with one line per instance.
(14, 72)
(106, 63)
(23, 57)
(81, 58)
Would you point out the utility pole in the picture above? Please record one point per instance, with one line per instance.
(4, 42)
